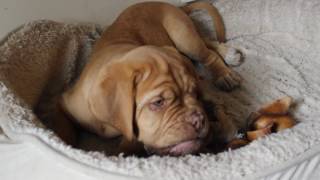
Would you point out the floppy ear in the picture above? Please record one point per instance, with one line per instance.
(112, 98)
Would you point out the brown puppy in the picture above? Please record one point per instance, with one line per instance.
(139, 85)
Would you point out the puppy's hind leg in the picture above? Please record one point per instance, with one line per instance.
(187, 40)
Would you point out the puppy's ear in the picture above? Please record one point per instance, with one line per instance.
(112, 98)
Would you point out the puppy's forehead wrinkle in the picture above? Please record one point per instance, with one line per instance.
(177, 83)
(162, 64)
(192, 86)
(158, 64)
(186, 83)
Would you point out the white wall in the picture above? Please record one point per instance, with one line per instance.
(16, 12)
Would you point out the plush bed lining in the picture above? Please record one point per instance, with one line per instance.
(280, 42)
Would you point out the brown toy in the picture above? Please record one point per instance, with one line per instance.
(273, 117)
(237, 143)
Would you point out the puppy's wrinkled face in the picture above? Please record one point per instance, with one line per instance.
(169, 117)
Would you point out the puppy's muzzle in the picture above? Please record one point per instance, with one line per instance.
(198, 120)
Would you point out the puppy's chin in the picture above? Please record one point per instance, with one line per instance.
(179, 149)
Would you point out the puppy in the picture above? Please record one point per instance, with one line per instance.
(141, 84)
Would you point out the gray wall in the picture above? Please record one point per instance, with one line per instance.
(16, 12)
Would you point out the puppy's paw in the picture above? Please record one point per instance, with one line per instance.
(228, 81)
(233, 57)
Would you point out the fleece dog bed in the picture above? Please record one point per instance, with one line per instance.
(280, 41)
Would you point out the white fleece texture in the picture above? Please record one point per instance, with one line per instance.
(280, 41)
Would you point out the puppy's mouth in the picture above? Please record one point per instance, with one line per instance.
(178, 149)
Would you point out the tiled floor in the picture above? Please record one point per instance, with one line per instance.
(16, 12)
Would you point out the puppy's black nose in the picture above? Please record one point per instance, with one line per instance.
(196, 118)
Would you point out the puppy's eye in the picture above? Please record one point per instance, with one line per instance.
(157, 104)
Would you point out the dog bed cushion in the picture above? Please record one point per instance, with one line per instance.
(280, 42)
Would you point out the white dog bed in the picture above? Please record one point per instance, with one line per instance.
(280, 41)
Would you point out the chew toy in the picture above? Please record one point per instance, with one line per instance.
(271, 118)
